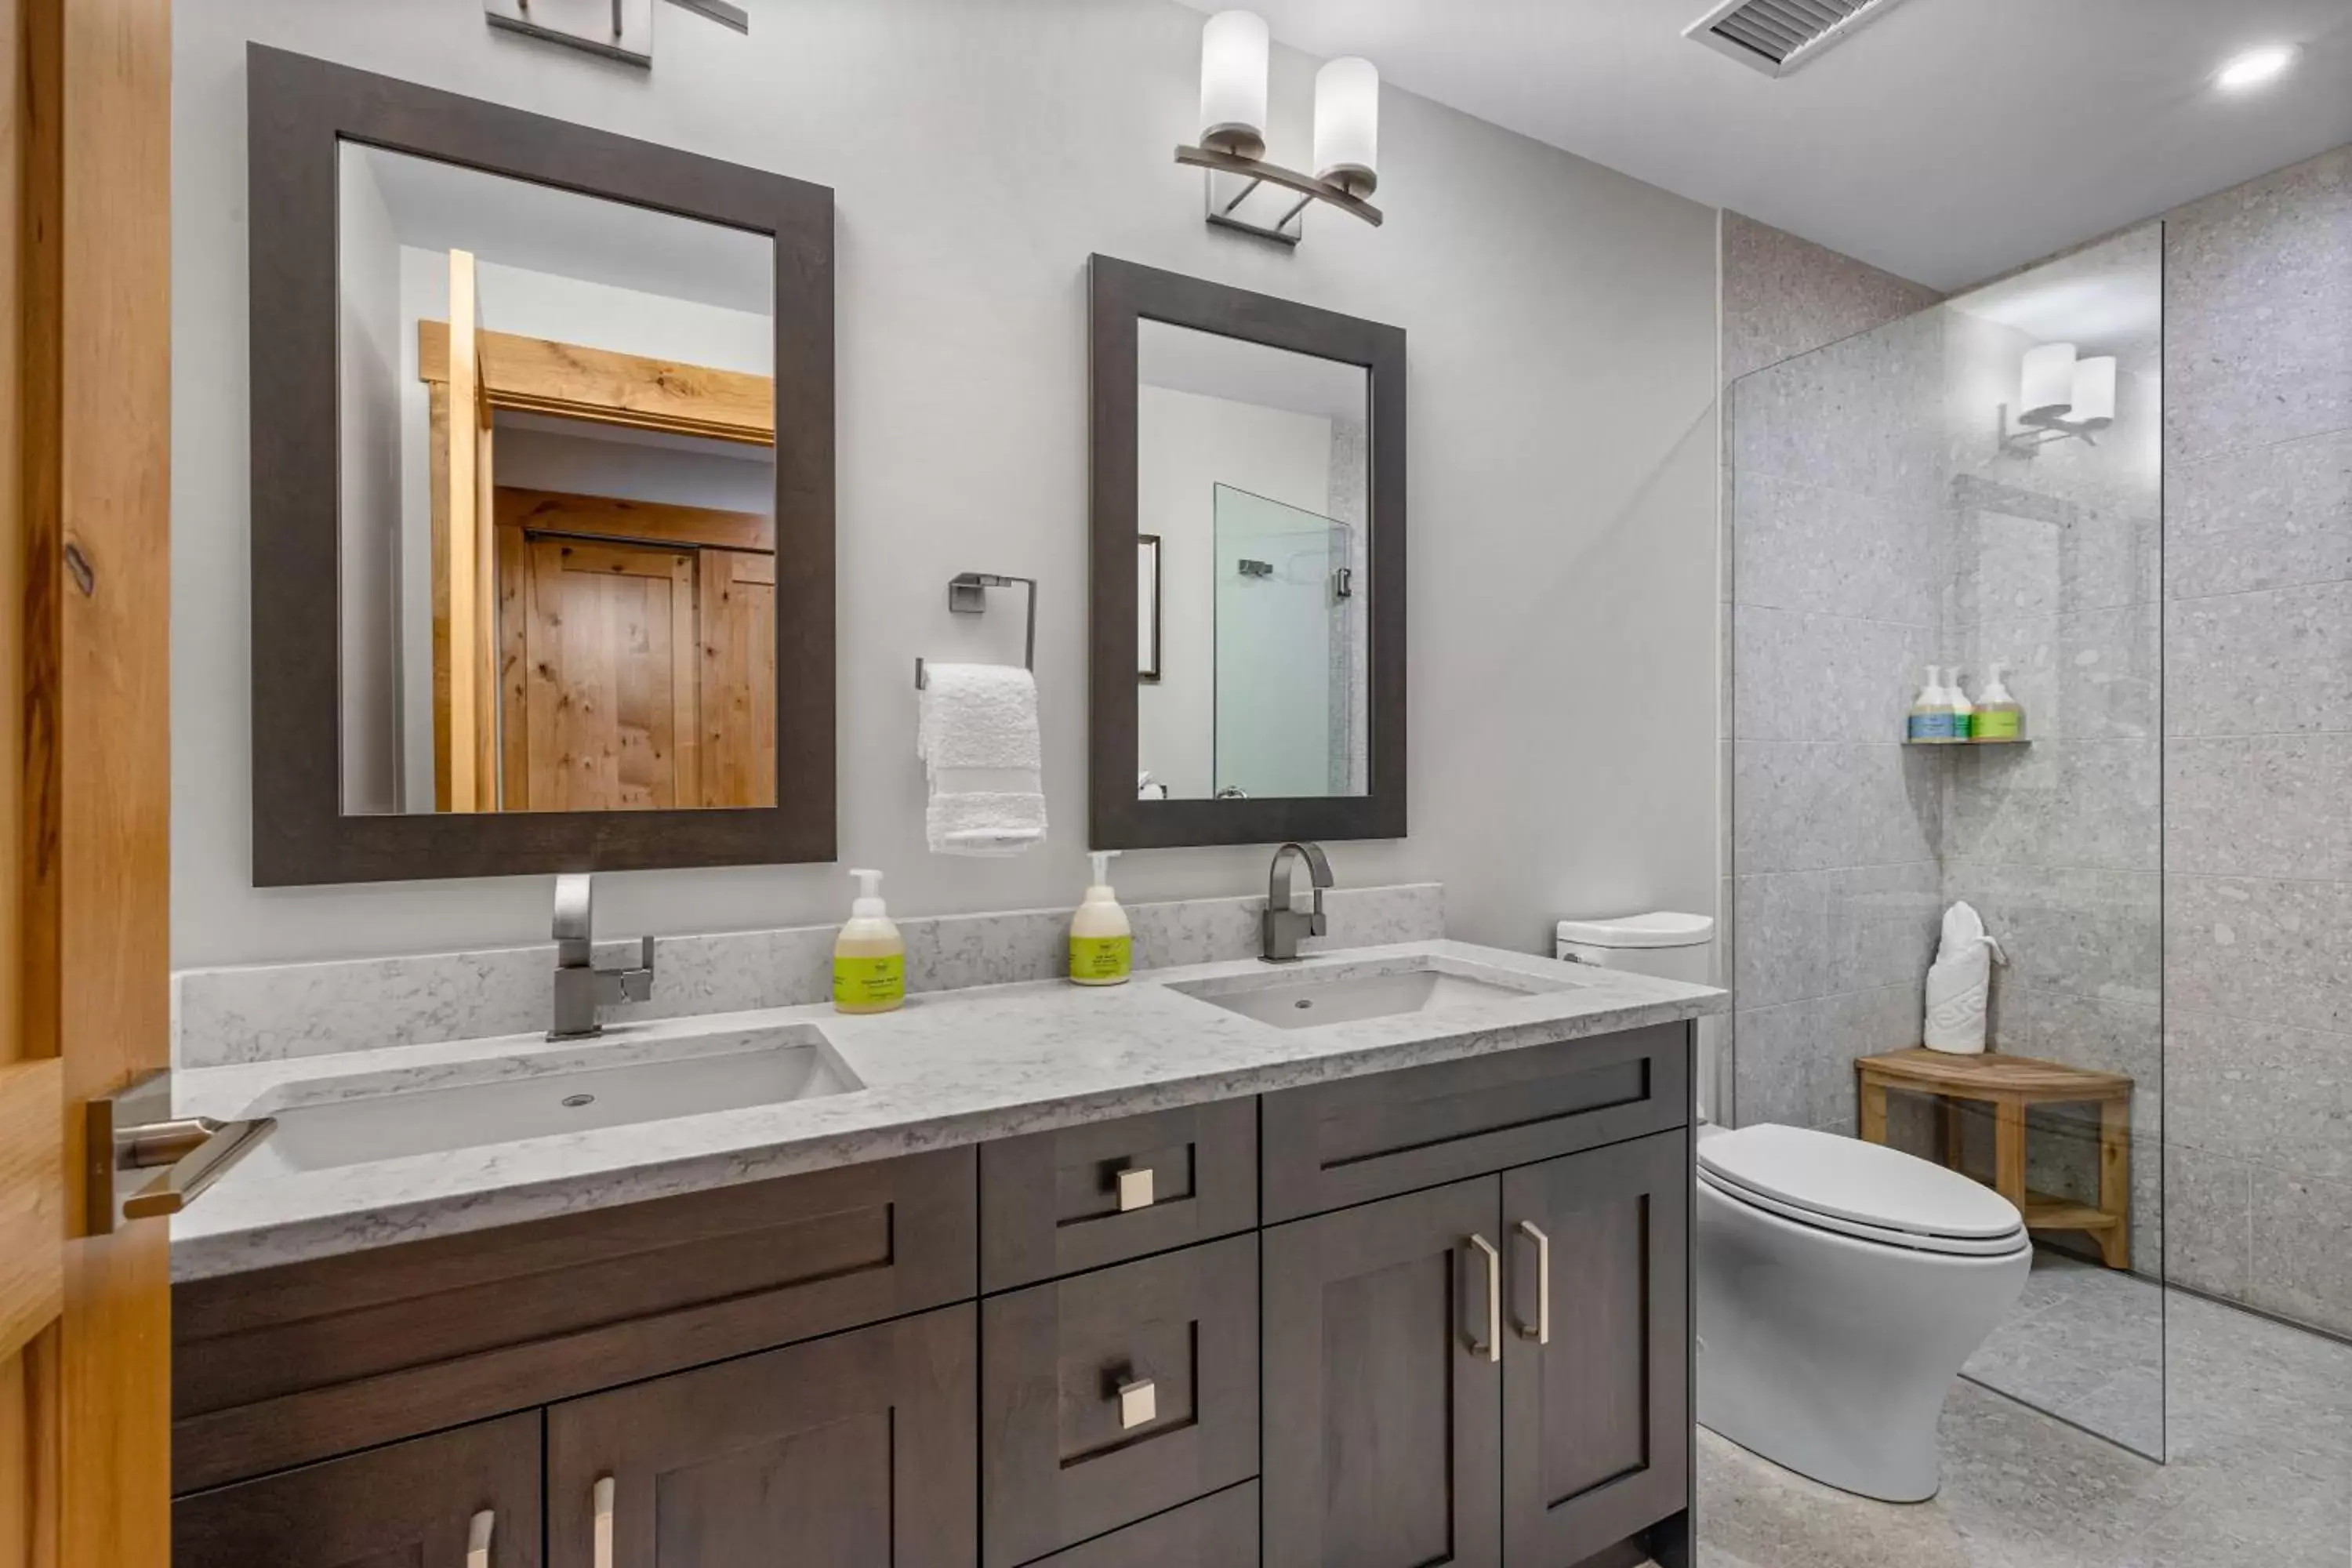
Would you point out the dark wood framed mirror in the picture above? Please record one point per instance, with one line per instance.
(1260, 445)
(542, 506)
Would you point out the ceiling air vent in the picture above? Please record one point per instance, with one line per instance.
(1776, 37)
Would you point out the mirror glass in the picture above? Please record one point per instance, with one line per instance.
(557, 496)
(1253, 477)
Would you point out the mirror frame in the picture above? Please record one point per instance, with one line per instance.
(1122, 294)
(297, 111)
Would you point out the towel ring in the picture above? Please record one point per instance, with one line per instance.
(968, 595)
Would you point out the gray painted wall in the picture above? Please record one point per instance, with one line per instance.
(2258, 751)
(1563, 446)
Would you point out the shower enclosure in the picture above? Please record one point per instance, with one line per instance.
(1286, 608)
(1978, 485)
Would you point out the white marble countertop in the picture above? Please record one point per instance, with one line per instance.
(951, 1067)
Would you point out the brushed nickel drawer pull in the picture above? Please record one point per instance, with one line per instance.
(1139, 1403)
(1493, 1347)
(478, 1539)
(1541, 1332)
(603, 1502)
(1135, 1189)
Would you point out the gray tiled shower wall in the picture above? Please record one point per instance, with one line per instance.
(2180, 832)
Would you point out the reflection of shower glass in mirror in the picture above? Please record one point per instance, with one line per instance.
(1253, 479)
(557, 499)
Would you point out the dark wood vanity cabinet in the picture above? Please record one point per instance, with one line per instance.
(858, 1449)
(426, 1503)
(1026, 1356)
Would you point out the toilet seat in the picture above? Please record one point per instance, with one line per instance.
(1861, 1190)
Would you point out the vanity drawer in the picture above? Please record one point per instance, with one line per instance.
(1050, 1202)
(1110, 1396)
(1330, 1145)
(278, 1366)
(1218, 1531)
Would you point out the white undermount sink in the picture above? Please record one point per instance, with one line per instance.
(1314, 1001)
(503, 1099)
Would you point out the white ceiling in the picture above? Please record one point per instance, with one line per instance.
(1240, 370)
(1947, 141)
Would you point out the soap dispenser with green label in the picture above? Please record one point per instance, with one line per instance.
(869, 957)
(1102, 946)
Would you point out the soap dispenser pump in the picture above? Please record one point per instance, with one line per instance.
(1999, 715)
(1931, 712)
(1102, 946)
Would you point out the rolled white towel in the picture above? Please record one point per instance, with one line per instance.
(1960, 985)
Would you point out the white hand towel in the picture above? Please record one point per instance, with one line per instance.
(1960, 985)
(977, 734)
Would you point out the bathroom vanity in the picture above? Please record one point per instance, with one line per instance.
(1187, 1275)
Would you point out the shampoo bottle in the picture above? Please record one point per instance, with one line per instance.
(869, 959)
(1964, 712)
(1102, 947)
(1999, 717)
(1931, 711)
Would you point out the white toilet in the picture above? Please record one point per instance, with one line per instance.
(1840, 1285)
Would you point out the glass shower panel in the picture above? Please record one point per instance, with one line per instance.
(1908, 499)
(1282, 683)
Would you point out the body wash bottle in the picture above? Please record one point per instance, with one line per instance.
(1102, 945)
(869, 959)
(1931, 711)
(1964, 712)
(1999, 716)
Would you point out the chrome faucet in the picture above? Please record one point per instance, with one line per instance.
(583, 991)
(1285, 924)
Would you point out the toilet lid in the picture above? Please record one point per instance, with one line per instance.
(1820, 1174)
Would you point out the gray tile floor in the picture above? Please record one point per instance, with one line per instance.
(2261, 1473)
(2086, 1344)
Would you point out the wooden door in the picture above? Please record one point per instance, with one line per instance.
(739, 678)
(84, 558)
(465, 592)
(463, 1498)
(1383, 1411)
(1596, 1406)
(858, 1451)
(607, 680)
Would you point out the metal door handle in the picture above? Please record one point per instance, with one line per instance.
(1541, 1332)
(603, 1501)
(133, 1129)
(478, 1539)
(1493, 1348)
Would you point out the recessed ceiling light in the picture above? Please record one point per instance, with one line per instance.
(2256, 66)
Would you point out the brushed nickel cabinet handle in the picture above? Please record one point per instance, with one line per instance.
(603, 1501)
(1135, 1189)
(1492, 1348)
(478, 1539)
(1139, 1403)
(1541, 1332)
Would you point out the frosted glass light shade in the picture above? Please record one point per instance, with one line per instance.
(2094, 392)
(2049, 389)
(1347, 125)
(1234, 48)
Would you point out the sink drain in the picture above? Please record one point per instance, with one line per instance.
(575, 1101)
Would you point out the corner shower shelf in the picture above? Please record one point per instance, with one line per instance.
(1989, 741)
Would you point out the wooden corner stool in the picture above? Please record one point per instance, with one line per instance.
(2010, 1085)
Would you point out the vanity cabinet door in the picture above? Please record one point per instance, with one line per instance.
(854, 1451)
(431, 1502)
(1383, 1408)
(1596, 1401)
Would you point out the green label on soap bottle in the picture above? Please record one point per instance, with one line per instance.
(863, 982)
(1997, 725)
(1100, 957)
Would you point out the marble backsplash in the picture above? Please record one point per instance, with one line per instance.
(271, 1012)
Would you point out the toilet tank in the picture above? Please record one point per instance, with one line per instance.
(1666, 944)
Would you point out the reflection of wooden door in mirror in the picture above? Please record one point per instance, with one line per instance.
(592, 653)
(637, 649)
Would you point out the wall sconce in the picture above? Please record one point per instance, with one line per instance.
(1235, 46)
(617, 29)
(2060, 398)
